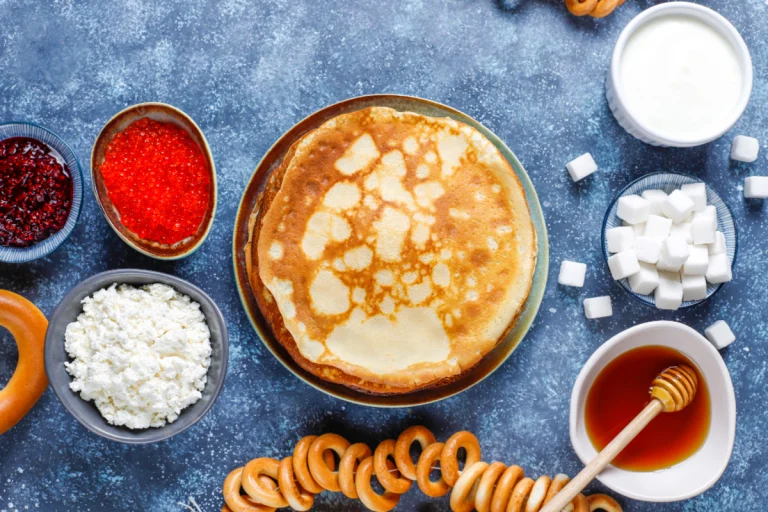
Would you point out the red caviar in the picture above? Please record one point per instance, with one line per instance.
(156, 177)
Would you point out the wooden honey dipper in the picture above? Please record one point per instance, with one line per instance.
(671, 391)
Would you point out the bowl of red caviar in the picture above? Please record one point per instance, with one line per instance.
(155, 180)
(41, 192)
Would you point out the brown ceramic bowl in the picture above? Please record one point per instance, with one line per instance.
(167, 114)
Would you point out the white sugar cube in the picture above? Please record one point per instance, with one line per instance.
(620, 239)
(674, 253)
(572, 273)
(639, 229)
(669, 292)
(698, 260)
(645, 280)
(720, 334)
(694, 288)
(647, 249)
(745, 149)
(756, 187)
(703, 228)
(710, 210)
(719, 269)
(698, 194)
(633, 209)
(598, 307)
(623, 264)
(682, 230)
(657, 227)
(581, 167)
(656, 199)
(718, 246)
(677, 206)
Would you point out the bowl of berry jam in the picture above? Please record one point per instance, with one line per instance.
(154, 178)
(41, 191)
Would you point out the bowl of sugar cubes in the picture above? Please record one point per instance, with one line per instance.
(669, 240)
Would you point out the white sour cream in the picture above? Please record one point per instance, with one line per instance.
(681, 78)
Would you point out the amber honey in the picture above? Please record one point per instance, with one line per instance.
(620, 392)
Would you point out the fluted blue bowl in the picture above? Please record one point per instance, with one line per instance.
(63, 151)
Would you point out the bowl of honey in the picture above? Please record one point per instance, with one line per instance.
(678, 455)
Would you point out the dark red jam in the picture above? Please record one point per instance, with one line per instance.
(35, 192)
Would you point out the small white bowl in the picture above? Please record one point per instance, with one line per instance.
(700, 471)
(615, 92)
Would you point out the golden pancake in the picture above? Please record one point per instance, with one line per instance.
(397, 248)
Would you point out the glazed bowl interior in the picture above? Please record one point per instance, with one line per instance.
(718, 23)
(669, 181)
(64, 153)
(86, 412)
(700, 471)
(163, 113)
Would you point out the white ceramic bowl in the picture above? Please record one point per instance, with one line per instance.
(699, 472)
(615, 91)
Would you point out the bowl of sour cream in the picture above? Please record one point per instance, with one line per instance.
(680, 75)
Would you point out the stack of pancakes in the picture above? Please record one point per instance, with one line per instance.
(391, 251)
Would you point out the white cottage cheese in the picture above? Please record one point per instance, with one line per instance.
(141, 354)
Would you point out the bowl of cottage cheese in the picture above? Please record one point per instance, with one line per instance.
(136, 356)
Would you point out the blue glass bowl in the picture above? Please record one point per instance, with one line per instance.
(65, 153)
(669, 181)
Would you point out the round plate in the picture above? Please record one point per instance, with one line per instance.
(272, 159)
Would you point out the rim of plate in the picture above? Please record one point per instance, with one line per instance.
(65, 151)
(419, 397)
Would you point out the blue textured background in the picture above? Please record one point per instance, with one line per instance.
(246, 72)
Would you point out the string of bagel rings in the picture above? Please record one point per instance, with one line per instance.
(594, 8)
(264, 484)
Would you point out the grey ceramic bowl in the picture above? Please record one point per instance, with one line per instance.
(85, 412)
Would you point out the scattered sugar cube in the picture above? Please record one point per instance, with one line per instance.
(756, 187)
(657, 227)
(703, 228)
(682, 230)
(572, 273)
(718, 246)
(677, 206)
(645, 280)
(719, 269)
(598, 307)
(698, 194)
(647, 249)
(720, 334)
(745, 149)
(669, 292)
(581, 167)
(694, 287)
(674, 253)
(623, 264)
(620, 239)
(656, 199)
(698, 260)
(633, 209)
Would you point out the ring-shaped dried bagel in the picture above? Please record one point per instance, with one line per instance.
(449, 463)
(376, 502)
(235, 500)
(348, 466)
(390, 480)
(486, 488)
(403, 460)
(555, 486)
(27, 324)
(505, 486)
(463, 494)
(580, 504)
(318, 465)
(297, 498)
(603, 502)
(520, 495)
(580, 7)
(300, 469)
(427, 460)
(254, 485)
(604, 8)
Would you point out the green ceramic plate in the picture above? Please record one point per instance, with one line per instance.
(272, 159)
